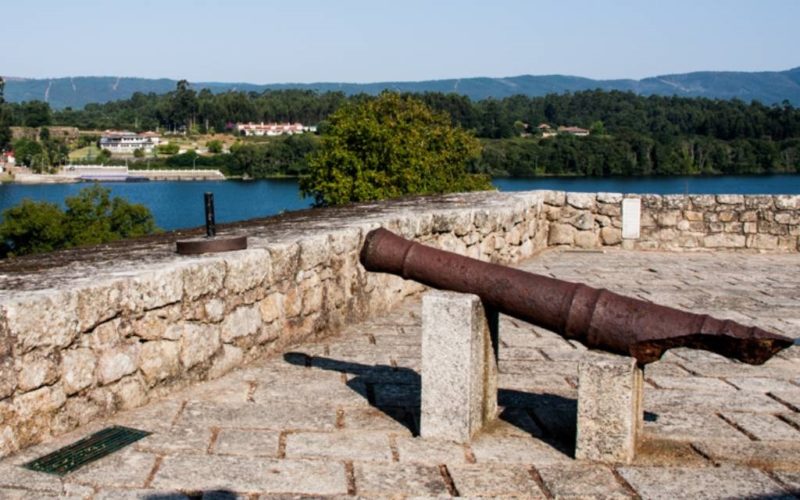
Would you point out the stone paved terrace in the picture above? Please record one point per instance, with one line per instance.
(339, 418)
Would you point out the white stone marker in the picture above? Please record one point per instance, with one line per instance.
(459, 366)
(610, 413)
(631, 218)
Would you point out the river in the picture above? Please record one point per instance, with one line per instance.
(180, 204)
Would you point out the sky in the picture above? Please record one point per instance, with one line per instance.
(266, 41)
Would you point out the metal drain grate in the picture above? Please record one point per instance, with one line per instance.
(87, 450)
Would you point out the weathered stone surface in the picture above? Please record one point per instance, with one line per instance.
(155, 288)
(251, 474)
(724, 240)
(609, 408)
(586, 239)
(204, 276)
(35, 370)
(561, 234)
(215, 310)
(682, 482)
(361, 446)
(459, 375)
(46, 320)
(114, 364)
(126, 468)
(581, 480)
(398, 480)
(229, 358)
(494, 481)
(249, 443)
(77, 369)
(581, 200)
(247, 270)
(243, 321)
(154, 325)
(159, 360)
(198, 343)
(611, 236)
(271, 307)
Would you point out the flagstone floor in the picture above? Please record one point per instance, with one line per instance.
(340, 417)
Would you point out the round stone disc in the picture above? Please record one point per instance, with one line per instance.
(209, 245)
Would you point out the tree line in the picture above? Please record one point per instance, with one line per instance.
(631, 134)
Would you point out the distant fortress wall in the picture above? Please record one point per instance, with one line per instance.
(89, 332)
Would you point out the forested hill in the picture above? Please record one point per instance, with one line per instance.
(772, 87)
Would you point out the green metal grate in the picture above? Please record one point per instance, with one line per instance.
(87, 450)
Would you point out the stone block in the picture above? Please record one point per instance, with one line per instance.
(459, 371)
(723, 240)
(586, 239)
(581, 200)
(244, 321)
(198, 343)
(610, 412)
(77, 369)
(561, 234)
(36, 369)
(115, 364)
(158, 360)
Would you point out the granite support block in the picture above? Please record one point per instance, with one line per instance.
(610, 412)
(459, 366)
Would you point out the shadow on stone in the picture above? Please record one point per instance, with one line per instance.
(555, 416)
(395, 391)
(204, 495)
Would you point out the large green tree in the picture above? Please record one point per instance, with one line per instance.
(92, 217)
(5, 119)
(388, 147)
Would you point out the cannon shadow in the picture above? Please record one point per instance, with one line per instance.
(396, 392)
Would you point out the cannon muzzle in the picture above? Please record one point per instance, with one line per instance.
(597, 318)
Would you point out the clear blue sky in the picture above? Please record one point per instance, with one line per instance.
(266, 41)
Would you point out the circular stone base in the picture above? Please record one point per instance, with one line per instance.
(213, 244)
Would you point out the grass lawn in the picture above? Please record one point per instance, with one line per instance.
(83, 153)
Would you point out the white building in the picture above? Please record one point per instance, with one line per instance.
(124, 142)
(272, 129)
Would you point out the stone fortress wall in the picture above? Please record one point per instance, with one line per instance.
(82, 340)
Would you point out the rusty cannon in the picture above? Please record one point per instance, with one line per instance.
(597, 318)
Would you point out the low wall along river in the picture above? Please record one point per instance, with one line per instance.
(88, 332)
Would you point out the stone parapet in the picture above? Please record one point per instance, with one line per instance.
(87, 332)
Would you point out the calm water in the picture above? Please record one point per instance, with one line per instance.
(180, 204)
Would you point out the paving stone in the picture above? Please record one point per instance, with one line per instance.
(260, 416)
(540, 382)
(397, 395)
(374, 479)
(494, 481)
(789, 397)
(22, 494)
(513, 450)
(310, 389)
(791, 479)
(764, 427)
(761, 384)
(779, 455)
(395, 420)
(177, 439)
(125, 468)
(582, 480)
(698, 384)
(680, 482)
(15, 477)
(343, 445)
(690, 427)
(674, 400)
(140, 494)
(251, 475)
(250, 442)
(429, 451)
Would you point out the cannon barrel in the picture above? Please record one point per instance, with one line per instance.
(597, 318)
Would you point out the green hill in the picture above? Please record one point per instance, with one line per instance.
(768, 87)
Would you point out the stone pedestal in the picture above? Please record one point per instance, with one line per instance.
(610, 413)
(459, 366)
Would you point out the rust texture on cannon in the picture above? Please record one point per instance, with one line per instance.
(597, 318)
